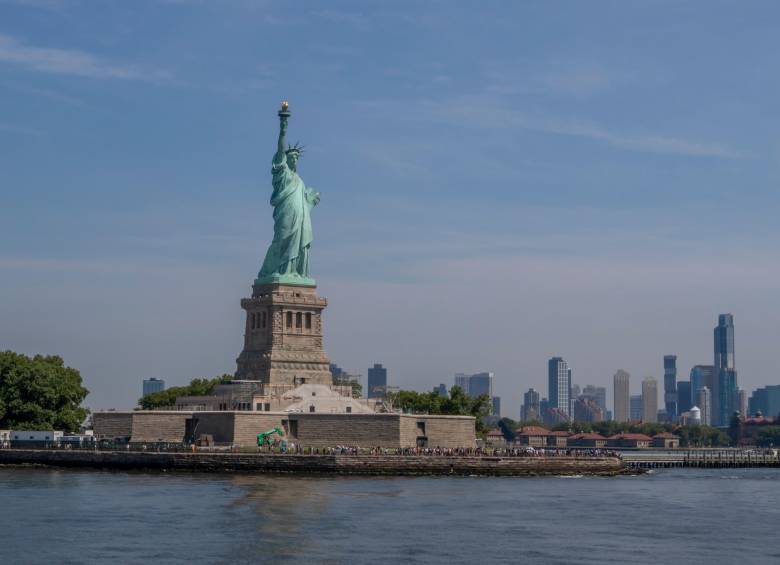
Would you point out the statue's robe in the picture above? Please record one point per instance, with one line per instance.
(288, 253)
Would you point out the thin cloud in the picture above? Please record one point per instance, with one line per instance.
(473, 114)
(71, 62)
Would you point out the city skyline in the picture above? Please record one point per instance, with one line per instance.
(607, 172)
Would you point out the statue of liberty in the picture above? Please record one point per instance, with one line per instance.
(287, 258)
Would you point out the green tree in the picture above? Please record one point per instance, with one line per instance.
(508, 427)
(197, 387)
(458, 404)
(40, 393)
(768, 436)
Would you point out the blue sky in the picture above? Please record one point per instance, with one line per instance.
(592, 180)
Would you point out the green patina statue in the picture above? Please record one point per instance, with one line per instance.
(287, 258)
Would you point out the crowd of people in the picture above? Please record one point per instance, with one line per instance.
(290, 448)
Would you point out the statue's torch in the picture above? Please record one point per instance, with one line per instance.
(284, 112)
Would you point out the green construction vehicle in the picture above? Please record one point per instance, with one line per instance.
(264, 438)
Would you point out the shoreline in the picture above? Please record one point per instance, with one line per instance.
(372, 465)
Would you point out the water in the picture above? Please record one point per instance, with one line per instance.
(672, 516)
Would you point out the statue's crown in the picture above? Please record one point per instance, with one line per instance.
(297, 148)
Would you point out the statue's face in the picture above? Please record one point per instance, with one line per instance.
(292, 160)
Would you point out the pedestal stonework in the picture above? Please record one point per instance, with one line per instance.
(283, 336)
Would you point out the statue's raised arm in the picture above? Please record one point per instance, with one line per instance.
(287, 258)
(284, 115)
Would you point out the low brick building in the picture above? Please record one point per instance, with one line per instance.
(558, 439)
(533, 436)
(240, 428)
(629, 440)
(665, 440)
(592, 440)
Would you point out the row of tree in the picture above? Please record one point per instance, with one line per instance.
(690, 436)
(167, 398)
(458, 403)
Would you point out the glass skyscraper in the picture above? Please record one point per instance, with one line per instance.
(377, 381)
(559, 384)
(724, 393)
(670, 387)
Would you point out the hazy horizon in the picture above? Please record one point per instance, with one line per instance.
(499, 186)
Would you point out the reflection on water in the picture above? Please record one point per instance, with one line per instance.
(692, 516)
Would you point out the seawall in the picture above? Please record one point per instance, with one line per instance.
(317, 464)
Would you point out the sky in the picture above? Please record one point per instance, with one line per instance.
(501, 185)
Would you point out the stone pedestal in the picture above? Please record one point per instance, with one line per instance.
(283, 336)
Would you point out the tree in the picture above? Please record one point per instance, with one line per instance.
(508, 427)
(40, 393)
(197, 387)
(769, 436)
(458, 404)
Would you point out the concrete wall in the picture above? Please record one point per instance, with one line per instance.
(141, 426)
(308, 429)
(318, 464)
(112, 424)
(365, 430)
(153, 426)
(449, 431)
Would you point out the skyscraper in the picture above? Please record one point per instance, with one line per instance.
(153, 385)
(670, 387)
(636, 407)
(481, 383)
(649, 400)
(725, 385)
(701, 376)
(531, 409)
(765, 400)
(742, 402)
(496, 401)
(377, 381)
(705, 405)
(683, 397)
(441, 390)
(462, 381)
(597, 393)
(621, 394)
(559, 384)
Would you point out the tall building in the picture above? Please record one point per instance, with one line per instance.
(621, 396)
(153, 385)
(701, 376)
(441, 390)
(742, 402)
(496, 402)
(725, 385)
(765, 400)
(684, 402)
(635, 413)
(462, 381)
(597, 393)
(670, 387)
(559, 384)
(704, 402)
(377, 381)
(586, 409)
(649, 400)
(531, 410)
(481, 383)
(574, 392)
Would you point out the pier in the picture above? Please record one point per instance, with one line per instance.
(701, 458)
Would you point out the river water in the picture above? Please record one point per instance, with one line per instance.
(670, 516)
